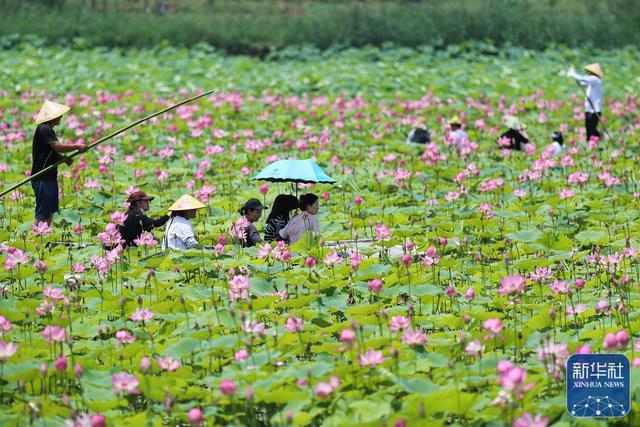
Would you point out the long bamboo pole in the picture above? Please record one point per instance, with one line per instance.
(566, 64)
(100, 141)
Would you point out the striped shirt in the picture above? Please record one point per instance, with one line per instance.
(273, 226)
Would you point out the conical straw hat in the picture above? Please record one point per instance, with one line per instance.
(50, 110)
(186, 203)
(595, 69)
(455, 120)
(513, 123)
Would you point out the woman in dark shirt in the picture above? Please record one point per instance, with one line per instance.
(137, 221)
(279, 217)
(516, 135)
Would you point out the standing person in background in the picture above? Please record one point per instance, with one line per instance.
(179, 233)
(306, 220)
(457, 134)
(137, 221)
(279, 217)
(593, 100)
(46, 151)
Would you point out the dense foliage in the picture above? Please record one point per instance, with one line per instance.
(259, 27)
(483, 271)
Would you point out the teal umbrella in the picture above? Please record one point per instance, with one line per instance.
(304, 171)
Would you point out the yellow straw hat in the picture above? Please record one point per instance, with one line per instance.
(595, 69)
(50, 110)
(185, 203)
(455, 120)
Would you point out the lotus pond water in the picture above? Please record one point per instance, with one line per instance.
(478, 272)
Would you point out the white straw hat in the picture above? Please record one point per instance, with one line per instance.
(185, 203)
(50, 110)
(595, 69)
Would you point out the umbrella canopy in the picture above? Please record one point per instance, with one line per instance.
(305, 171)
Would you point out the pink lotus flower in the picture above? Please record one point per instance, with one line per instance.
(42, 229)
(492, 326)
(375, 285)
(565, 193)
(294, 324)
(241, 355)
(125, 337)
(512, 379)
(168, 363)
(146, 239)
(371, 358)
(264, 251)
(53, 334)
(264, 189)
(239, 288)
(118, 218)
(257, 329)
(382, 233)
(5, 325)
(15, 258)
(398, 323)
(125, 382)
(474, 348)
(526, 420)
(470, 294)
(61, 363)
(414, 338)
(310, 262)
(228, 388)
(7, 349)
(347, 335)
(511, 285)
(54, 294)
(141, 315)
(333, 258)
(195, 417)
(324, 390)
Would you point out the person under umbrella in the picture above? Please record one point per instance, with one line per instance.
(245, 230)
(279, 217)
(46, 151)
(179, 233)
(137, 221)
(557, 141)
(593, 100)
(515, 137)
(306, 220)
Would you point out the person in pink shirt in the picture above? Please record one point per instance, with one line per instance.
(304, 221)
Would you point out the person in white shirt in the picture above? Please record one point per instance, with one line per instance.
(179, 233)
(557, 142)
(305, 221)
(593, 101)
(457, 135)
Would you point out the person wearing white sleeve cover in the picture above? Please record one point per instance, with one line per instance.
(305, 221)
(593, 101)
(457, 135)
(179, 233)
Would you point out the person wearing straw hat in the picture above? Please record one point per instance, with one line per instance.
(46, 151)
(179, 233)
(593, 99)
(457, 135)
(137, 221)
(419, 134)
(515, 137)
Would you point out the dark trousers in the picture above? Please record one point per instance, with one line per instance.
(591, 123)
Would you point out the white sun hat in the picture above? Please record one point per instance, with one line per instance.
(50, 110)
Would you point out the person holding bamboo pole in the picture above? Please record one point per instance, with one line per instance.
(46, 151)
(593, 97)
